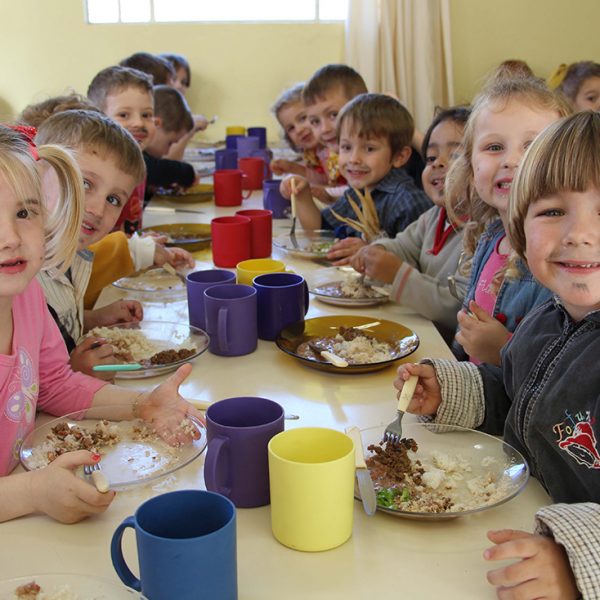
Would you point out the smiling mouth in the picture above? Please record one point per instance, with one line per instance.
(568, 265)
(504, 185)
(14, 263)
(438, 181)
(88, 228)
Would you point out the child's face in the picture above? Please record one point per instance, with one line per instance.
(162, 142)
(444, 146)
(181, 82)
(322, 116)
(21, 241)
(588, 96)
(365, 161)
(133, 108)
(562, 236)
(294, 121)
(107, 189)
(501, 136)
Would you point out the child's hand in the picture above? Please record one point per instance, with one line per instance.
(320, 193)
(280, 166)
(176, 257)
(428, 395)
(301, 185)
(164, 408)
(121, 311)
(59, 493)
(342, 252)
(93, 351)
(200, 123)
(481, 336)
(542, 570)
(376, 262)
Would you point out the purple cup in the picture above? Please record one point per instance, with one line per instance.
(199, 281)
(226, 159)
(231, 140)
(230, 316)
(274, 201)
(247, 146)
(282, 299)
(238, 431)
(260, 133)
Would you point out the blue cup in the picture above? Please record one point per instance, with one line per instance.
(247, 146)
(186, 546)
(274, 201)
(226, 159)
(196, 283)
(282, 299)
(231, 140)
(260, 133)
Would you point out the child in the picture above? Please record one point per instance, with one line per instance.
(545, 397)
(419, 261)
(35, 114)
(159, 68)
(375, 132)
(580, 84)
(173, 120)
(125, 95)
(34, 370)
(111, 165)
(505, 119)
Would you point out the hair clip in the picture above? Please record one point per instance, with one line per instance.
(28, 134)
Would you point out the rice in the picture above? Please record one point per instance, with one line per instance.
(362, 349)
(129, 344)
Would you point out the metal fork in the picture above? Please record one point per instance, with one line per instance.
(89, 469)
(393, 432)
(99, 479)
(293, 206)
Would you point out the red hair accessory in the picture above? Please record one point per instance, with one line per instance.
(28, 134)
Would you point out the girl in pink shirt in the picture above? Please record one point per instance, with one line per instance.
(34, 364)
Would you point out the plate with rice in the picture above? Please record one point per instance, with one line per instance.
(159, 346)
(131, 450)
(310, 243)
(365, 343)
(154, 281)
(438, 472)
(65, 586)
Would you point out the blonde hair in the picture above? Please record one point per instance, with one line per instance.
(62, 221)
(564, 157)
(462, 199)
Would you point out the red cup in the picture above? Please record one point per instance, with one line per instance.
(255, 170)
(228, 187)
(261, 225)
(231, 240)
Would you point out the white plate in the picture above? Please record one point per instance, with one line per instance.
(86, 587)
(164, 335)
(478, 454)
(314, 244)
(319, 281)
(129, 462)
(154, 281)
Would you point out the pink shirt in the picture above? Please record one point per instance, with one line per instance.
(36, 375)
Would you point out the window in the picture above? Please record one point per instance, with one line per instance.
(178, 11)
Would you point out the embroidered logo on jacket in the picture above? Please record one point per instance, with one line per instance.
(576, 437)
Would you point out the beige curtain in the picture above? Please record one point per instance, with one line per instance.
(403, 47)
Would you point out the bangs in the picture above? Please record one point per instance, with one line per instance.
(21, 175)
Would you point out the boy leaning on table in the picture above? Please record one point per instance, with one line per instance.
(545, 396)
(111, 164)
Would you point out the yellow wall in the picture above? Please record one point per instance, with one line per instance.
(238, 69)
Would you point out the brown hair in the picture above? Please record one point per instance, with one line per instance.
(172, 108)
(178, 61)
(462, 199)
(161, 70)
(575, 75)
(35, 114)
(97, 134)
(378, 115)
(564, 157)
(113, 80)
(333, 76)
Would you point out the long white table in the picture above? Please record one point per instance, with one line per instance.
(386, 555)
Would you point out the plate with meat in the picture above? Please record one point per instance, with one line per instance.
(364, 343)
(439, 472)
(201, 192)
(159, 346)
(132, 452)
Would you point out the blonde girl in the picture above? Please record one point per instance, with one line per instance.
(506, 118)
(34, 370)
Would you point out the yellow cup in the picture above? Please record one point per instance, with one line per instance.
(235, 130)
(247, 270)
(311, 474)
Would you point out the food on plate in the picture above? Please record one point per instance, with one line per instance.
(132, 345)
(320, 247)
(355, 346)
(350, 287)
(408, 480)
(152, 280)
(32, 591)
(178, 239)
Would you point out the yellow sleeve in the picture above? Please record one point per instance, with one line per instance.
(111, 262)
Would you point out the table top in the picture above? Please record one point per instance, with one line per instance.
(385, 554)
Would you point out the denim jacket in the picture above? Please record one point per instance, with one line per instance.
(515, 298)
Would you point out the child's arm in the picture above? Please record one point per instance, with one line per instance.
(374, 262)
(306, 210)
(481, 335)
(542, 569)
(281, 166)
(90, 352)
(176, 257)
(177, 149)
(120, 311)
